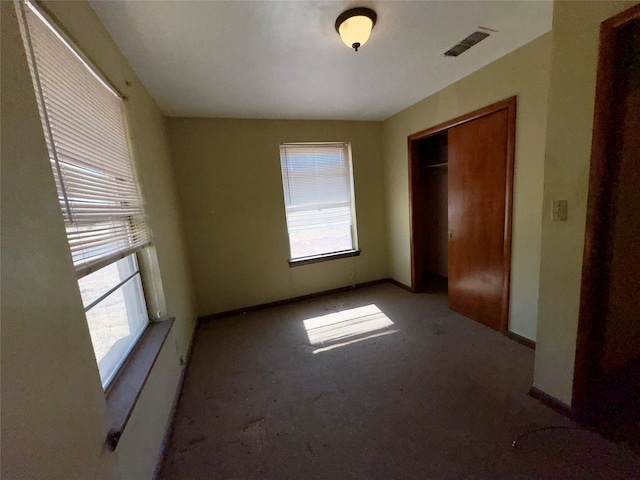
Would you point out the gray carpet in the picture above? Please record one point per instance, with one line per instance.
(432, 396)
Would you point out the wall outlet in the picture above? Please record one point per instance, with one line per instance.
(560, 211)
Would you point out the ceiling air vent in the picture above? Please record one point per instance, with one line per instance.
(466, 44)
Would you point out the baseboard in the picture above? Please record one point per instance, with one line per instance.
(551, 402)
(395, 282)
(287, 301)
(166, 438)
(522, 340)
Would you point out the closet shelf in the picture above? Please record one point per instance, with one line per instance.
(437, 165)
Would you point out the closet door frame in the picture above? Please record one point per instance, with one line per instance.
(601, 201)
(415, 210)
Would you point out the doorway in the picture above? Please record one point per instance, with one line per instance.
(607, 369)
(461, 181)
(430, 199)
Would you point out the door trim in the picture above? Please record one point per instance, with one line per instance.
(508, 104)
(603, 174)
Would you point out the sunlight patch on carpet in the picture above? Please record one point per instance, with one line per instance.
(347, 327)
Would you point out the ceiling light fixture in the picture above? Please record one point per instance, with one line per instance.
(355, 25)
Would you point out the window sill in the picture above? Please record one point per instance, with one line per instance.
(123, 393)
(296, 262)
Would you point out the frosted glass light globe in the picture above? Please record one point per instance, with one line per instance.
(355, 31)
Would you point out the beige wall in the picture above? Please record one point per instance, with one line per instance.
(229, 179)
(524, 73)
(54, 417)
(568, 149)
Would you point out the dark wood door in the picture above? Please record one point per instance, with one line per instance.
(478, 186)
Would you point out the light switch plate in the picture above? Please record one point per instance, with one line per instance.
(560, 211)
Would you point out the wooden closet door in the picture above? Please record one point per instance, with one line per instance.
(478, 166)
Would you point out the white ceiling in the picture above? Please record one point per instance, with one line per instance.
(284, 59)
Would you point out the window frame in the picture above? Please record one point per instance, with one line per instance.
(29, 7)
(327, 256)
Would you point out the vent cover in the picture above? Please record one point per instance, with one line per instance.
(466, 44)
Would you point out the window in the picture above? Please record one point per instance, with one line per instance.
(116, 313)
(318, 197)
(84, 127)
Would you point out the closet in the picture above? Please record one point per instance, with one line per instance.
(460, 176)
(431, 194)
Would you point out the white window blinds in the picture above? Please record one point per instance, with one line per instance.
(83, 122)
(318, 198)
